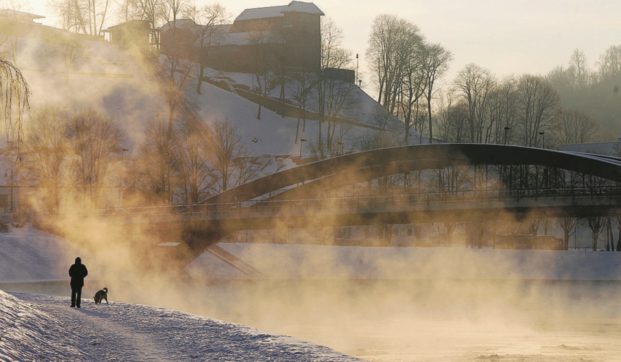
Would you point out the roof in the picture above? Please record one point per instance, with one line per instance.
(181, 24)
(131, 23)
(303, 7)
(19, 15)
(278, 11)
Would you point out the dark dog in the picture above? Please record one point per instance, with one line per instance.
(100, 295)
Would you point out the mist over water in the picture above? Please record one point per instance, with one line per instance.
(429, 318)
(451, 304)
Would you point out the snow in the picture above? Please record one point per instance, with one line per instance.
(113, 82)
(27, 254)
(36, 327)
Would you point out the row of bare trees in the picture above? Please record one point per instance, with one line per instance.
(82, 155)
(526, 110)
(480, 108)
(406, 69)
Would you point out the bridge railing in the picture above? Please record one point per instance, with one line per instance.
(360, 202)
(393, 201)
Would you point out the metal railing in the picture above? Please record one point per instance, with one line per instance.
(462, 199)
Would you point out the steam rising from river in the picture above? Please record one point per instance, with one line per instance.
(456, 303)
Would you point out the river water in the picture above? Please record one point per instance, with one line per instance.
(411, 320)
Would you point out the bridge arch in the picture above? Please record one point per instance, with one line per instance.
(362, 166)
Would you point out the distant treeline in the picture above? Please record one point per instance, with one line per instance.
(571, 104)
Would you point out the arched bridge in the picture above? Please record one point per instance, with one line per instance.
(421, 183)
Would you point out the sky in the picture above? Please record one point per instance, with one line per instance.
(506, 37)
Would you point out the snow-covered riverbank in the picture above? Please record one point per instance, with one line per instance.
(36, 327)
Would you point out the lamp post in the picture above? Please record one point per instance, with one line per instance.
(302, 140)
(357, 77)
(507, 129)
(543, 139)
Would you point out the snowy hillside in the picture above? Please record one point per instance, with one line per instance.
(45, 328)
(86, 73)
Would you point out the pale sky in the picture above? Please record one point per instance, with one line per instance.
(506, 37)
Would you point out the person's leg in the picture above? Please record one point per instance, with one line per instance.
(78, 296)
(73, 293)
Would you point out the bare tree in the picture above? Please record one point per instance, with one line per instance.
(83, 16)
(193, 150)
(596, 224)
(209, 19)
(47, 149)
(332, 94)
(265, 62)
(578, 68)
(573, 127)
(435, 64)
(14, 94)
(413, 82)
(156, 163)
(568, 224)
(610, 62)
(225, 148)
(176, 74)
(537, 102)
(304, 85)
(389, 44)
(474, 85)
(92, 139)
(153, 11)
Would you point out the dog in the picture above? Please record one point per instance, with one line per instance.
(100, 295)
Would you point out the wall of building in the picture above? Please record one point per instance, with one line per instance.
(300, 48)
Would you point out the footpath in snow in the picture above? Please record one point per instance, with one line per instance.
(36, 327)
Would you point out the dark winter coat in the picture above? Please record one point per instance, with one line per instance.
(78, 272)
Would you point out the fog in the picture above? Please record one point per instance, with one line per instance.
(457, 303)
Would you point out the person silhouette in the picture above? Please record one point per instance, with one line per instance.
(77, 272)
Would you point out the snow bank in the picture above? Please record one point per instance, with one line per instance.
(30, 334)
(45, 328)
(28, 254)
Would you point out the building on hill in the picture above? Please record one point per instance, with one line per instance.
(286, 37)
(19, 16)
(17, 23)
(21, 25)
(133, 33)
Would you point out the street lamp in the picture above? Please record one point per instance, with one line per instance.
(507, 129)
(357, 76)
(301, 144)
(543, 139)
